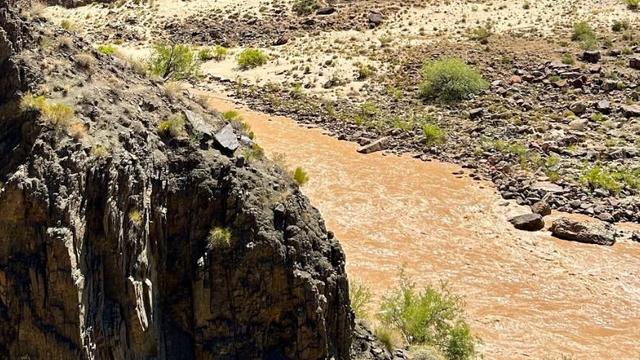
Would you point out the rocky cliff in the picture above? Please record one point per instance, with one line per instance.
(106, 242)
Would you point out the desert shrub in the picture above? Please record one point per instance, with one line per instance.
(387, 337)
(135, 217)
(173, 89)
(177, 62)
(584, 33)
(68, 25)
(568, 59)
(219, 237)
(581, 31)
(99, 151)
(76, 130)
(632, 4)
(300, 176)
(218, 53)
(620, 25)
(172, 126)
(85, 61)
(450, 80)
(360, 296)
(304, 7)
(364, 71)
(231, 115)
(106, 49)
(251, 58)
(431, 317)
(59, 115)
(253, 152)
(433, 134)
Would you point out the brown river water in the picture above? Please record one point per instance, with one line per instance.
(528, 295)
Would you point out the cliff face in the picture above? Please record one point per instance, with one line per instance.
(105, 246)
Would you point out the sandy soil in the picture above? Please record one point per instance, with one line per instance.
(335, 55)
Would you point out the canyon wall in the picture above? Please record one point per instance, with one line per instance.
(108, 254)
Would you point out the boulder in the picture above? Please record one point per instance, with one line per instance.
(226, 139)
(528, 222)
(591, 56)
(375, 19)
(327, 10)
(199, 125)
(598, 233)
(578, 124)
(374, 146)
(634, 63)
(476, 113)
(541, 207)
(547, 187)
(603, 106)
(578, 108)
(630, 110)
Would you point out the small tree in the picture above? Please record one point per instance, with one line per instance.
(173, 61)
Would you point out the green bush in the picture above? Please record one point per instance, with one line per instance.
(431, 317)
(581, 31)
(360, 296)
(218, 53)
(450, 80)
(231, 115)
(175, 62)
(568, 59)
(251, 58)
(433, 134)
(584, 33)
(106, 49)
(300, 176)
(219, 237)
(304, 7)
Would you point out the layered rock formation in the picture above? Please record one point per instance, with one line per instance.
(106, 249)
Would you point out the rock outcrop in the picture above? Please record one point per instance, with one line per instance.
(598, 233)
(107, 230)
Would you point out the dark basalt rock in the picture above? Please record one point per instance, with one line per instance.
(528, 222)
(590, 233)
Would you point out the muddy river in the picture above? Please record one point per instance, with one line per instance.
(528, 295)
